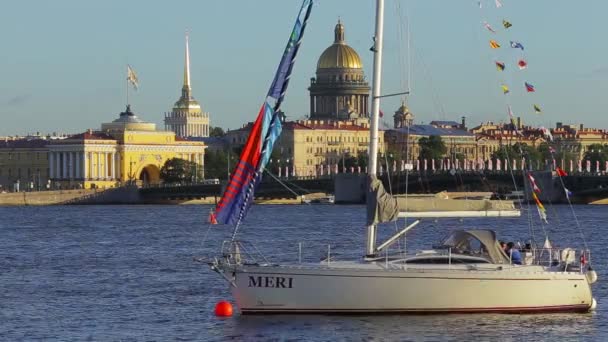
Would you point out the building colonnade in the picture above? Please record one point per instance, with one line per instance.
(65, 165)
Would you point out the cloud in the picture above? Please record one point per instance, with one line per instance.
(18, 100)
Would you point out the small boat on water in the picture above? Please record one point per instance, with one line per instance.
(329, 199)
(467, 272)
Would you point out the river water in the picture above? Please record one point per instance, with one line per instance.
(110, 273)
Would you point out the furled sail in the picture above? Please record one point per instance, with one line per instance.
(381, 206)
(247, 174)
(384, 207)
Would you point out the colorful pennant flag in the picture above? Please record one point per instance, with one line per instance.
(560, 172)
(535, 188)
(506, 24)
(486, 25)
(494, 44)
(568, 193)
(505, 89)
(537, 109)
(529, 87)
(498, 3)
(522, 64)
(500, 66)
(517, 45)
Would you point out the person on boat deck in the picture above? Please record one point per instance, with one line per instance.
(514, 253)
(503, 246)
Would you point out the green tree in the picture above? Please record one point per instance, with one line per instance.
(216, 132)
(217, 164)
(432, 147)
(518, 151)
(362, 160)
(595, 153)
(177, 170)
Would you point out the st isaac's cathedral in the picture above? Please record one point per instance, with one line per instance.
(338, 124)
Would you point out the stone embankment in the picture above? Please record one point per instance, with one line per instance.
(124, 195)
(44, 197)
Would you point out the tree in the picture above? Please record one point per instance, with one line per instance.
(217, 164)
(595, 153)
(177, 170)
(518, 151)
(432, 147)
(216, 132)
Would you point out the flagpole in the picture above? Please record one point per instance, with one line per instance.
(127, 83)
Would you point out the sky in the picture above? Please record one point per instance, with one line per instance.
(63, 63)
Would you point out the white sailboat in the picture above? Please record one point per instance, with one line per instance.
(468, 272)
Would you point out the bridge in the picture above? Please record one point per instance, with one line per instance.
(586, 187)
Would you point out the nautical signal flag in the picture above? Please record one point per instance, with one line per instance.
(529, 87)
(498, 3)
(537, 109)
(494, 44)
(560, 172)
(485, 23)
(517, 45)
(500, 65)
(522, 64)
(506, 24)
(505, 89)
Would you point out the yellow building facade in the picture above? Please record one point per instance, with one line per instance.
(306, 146)
(126, 150)
(23, 164)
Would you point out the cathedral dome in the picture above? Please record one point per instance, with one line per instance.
(339, 55)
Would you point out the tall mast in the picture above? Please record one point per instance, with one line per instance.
(373, 141)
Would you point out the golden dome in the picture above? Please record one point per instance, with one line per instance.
(339, 55)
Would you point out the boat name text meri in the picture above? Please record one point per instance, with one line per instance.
(275, 282)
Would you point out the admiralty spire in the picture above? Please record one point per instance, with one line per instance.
(187, 118)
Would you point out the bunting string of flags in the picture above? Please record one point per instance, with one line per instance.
(520, 62)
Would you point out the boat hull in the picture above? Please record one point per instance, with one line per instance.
(279, 289)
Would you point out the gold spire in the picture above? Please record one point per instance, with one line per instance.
(187, 100)
(339, 33)
(186, 89)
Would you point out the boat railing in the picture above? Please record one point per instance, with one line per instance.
(571, 259)
(242, 252)
(246, 253)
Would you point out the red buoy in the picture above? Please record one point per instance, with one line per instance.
(223, 309)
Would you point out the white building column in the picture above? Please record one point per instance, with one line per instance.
(88, 171)
(113, 159)
(106, 165)
(70, 165)
(118, 167)
(51, 165)
(98, 165)
(57, 165)
(64, 172)
(77, 170)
